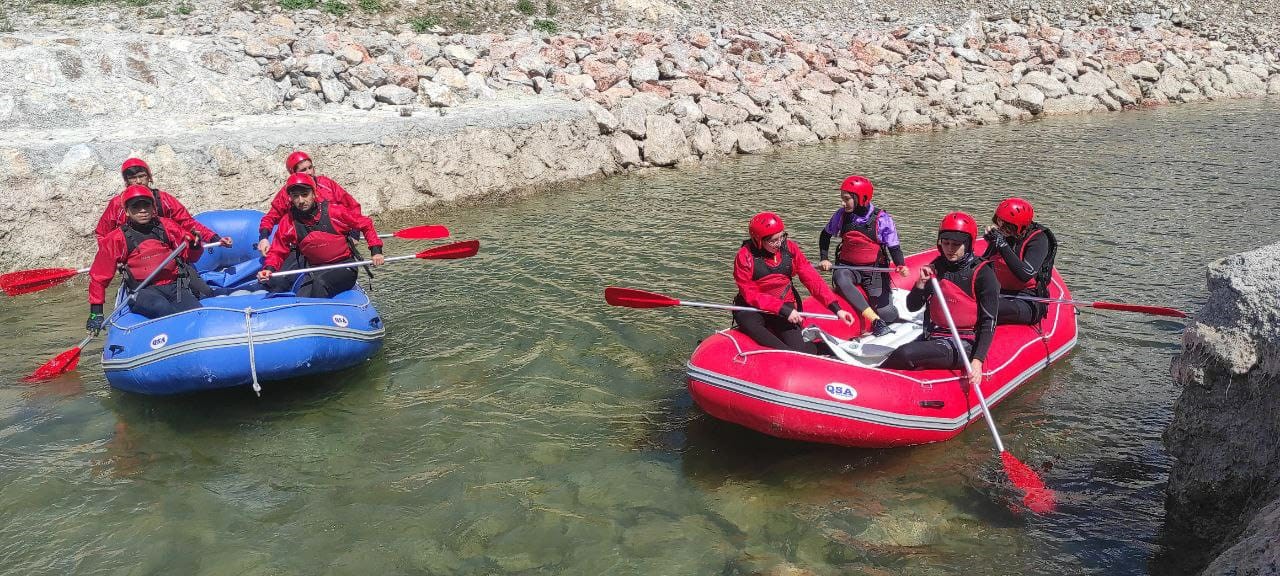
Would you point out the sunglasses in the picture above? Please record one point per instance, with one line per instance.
(779, 239)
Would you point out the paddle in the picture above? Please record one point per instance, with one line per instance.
(633, 298)
(68, 359)
(863, 268)
(428, 232)
(1122, 306)
(28, 281)
(1038, 498)
(464, 249)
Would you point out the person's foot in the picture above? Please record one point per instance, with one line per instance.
(879, 328)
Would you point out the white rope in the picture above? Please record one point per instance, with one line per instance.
(253, 366)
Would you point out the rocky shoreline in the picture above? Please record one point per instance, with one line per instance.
(75, 104)
(1223, 498)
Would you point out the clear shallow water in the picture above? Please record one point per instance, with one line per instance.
(516, 424)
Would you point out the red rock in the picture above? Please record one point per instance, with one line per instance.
(1126, 57)
(604, 74)
(701, 39)
(685, 87)
(720, 86)
(644, 37)
(610, 98)
(653, 88)
(898, 46)
(401, 75)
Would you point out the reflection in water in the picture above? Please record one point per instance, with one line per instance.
(517, 424)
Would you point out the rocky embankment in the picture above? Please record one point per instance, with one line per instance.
(215, 106)
(1223, 506)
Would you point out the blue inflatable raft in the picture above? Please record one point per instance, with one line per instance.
(242, 336)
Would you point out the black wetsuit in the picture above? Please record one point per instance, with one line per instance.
(936, 348)
(1030, 257)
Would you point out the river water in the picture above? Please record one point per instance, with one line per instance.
(516, 424)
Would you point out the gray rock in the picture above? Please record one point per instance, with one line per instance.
(687, 110)
(1046, 84)
(1144, 21)
(624, 149)
(1070, 104)
(1029, 98)
(369, 74)
(748, 138)
(393, 94)
(797, 134)
(437, 95)
(1245, 81)
(605, 120)
(702, 141)
(454, 78)
(1273, 85)
(968, 55)
(665, 142)
(363, 100)
(644, 71)
(333, 90)
(459, 54)
(1143, 71)
(1089, 84)
(874, 124)
(323, 66)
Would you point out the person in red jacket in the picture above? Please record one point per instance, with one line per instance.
(763, 270)
(318, 231)
(137, 173)
(1021, 252)
(326, 190)
(973, 297)
(139, 246)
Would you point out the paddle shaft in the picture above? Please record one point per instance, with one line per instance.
(863, 268)
(340, 265)
(750, 309)
(964, 359)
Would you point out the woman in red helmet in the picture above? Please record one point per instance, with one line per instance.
(868, 237)
(137, 173)
(137, 247)
(763, 270)
(1022, 253)
(973, 297)
(326, 190)
(318, 232)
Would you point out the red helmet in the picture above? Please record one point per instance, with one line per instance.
(295, 159)
(300, 179)
(1015, 211)
(135, 192)
(763, 225)
(859, 187)
(134, 163)
(962, 223)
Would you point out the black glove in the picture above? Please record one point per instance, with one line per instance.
(995, 238)
(95, 322)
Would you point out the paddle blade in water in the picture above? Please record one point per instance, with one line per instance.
(432, 232)
(1154, 310)
(464, 249)
(1038, 498)
(632, 298)
(27, 281)
(61, 364)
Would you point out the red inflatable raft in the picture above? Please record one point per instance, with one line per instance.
(848, 400)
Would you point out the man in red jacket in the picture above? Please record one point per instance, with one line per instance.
(137, 173)
(318, 232)
(139, 246)
(325, 190)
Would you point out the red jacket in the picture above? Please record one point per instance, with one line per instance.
(744, 268)
(112, 252)
(326, 189)
(114, 217)
(344, 221)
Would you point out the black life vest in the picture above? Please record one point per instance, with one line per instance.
(144, 251)
(960, 288)
(1039, 283)
(860, 244)
(320, 243)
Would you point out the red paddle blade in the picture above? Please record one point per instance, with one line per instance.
(431, 232)
(1154, 310)
(464, 249)
(27, 281)
(1038, 498)
(632, 298)
(61, 364)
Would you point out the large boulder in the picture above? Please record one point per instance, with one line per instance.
(664, 141)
